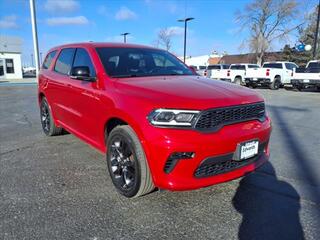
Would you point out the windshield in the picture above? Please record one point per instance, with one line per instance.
(140, 62)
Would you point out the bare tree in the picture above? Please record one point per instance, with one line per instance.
(267, 21)
(164, 38)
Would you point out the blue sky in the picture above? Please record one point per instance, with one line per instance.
(64, 21)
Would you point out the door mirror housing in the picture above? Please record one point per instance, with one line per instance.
(82, 73)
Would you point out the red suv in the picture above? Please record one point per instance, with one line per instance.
(159, 124)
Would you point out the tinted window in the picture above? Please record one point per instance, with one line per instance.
(48, 60)
(82, 59)
(253, 66)
(272, 65)
(202, 67)
(9, 66)
(290, 66)
(214, 67)
(314, 65)
(139, 62)
(225, 66)
(238, 67)
(64, 61)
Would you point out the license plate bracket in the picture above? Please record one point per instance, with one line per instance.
(246, 150)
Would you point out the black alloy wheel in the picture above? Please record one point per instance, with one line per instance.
(123, 166)
(127, 164)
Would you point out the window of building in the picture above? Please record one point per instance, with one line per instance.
(9, 66)
(64, 61)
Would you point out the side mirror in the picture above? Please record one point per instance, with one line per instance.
(81, 73)
(193, 70)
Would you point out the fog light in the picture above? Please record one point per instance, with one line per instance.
(174, 158)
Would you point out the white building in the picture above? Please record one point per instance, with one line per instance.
(200, 60)
(10, 57)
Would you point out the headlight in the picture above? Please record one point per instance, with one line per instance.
(173, 117)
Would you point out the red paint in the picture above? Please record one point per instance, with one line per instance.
(84, 109)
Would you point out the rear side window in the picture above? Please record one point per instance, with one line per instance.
(64, 61)
(82, 59)
(272, 65)
(290, 66)
(48, 60)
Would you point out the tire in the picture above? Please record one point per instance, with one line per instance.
(238, 81)
(47, 122)
(127, 163)
(296, 88)
(275, 85)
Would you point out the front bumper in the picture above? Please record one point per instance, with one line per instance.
(258, 81)
(305, 82)
(162, 142)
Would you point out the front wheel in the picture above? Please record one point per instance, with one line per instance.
(127, 163)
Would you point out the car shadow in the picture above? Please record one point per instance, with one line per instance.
(269, 207)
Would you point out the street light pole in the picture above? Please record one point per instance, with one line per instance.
(34, 35)
(124, 36)
(185, 36)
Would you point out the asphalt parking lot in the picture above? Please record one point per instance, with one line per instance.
(58, 188)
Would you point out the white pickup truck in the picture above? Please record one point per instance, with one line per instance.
(237, 72)
(216, 71)
(307, 77)
(272, 74)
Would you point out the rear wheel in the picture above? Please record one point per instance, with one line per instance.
(127, 163)
(275, 85)
(237, 80)
(47, 122)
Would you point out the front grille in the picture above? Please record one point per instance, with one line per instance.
(213, 119)
(222, 164)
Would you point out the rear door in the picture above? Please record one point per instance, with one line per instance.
(58, 86)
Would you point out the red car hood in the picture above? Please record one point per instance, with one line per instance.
(187, 92)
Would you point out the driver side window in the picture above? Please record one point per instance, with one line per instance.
(82, 59)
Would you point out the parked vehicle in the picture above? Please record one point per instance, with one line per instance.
(307, 77)
(158, 123)
(215, 71)
(202, 70)
(272, 74)
(237, 72)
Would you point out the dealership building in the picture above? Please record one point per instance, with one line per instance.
(10, 57)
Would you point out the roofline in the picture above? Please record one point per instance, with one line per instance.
(100, 44)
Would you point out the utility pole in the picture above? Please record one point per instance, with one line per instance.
(34, 35)
(185, 36)
(124, 36)
(315, 46)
